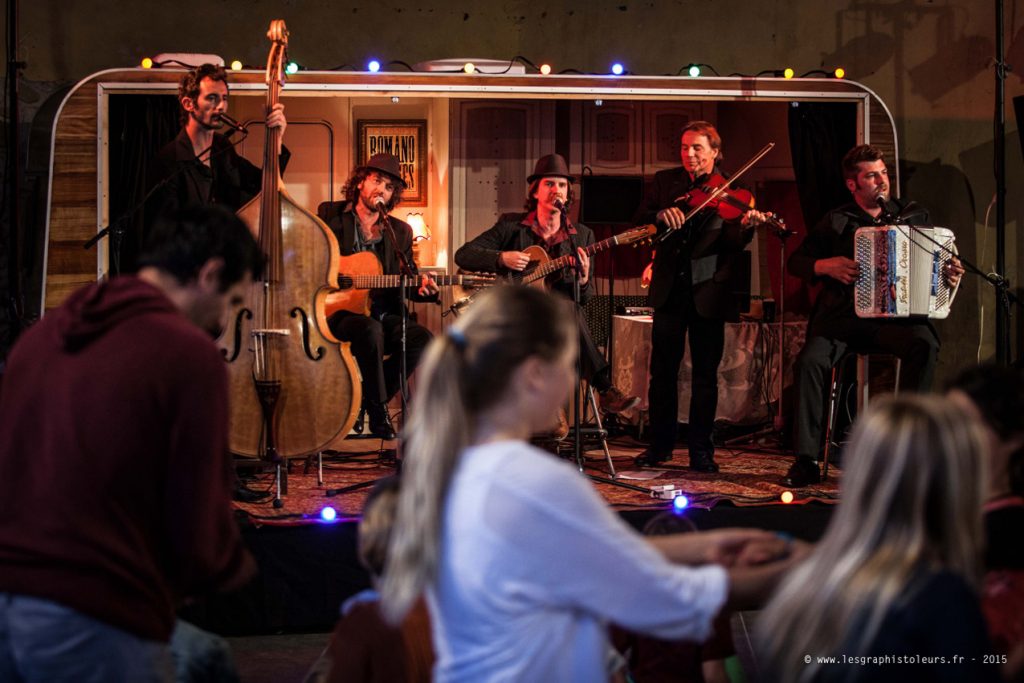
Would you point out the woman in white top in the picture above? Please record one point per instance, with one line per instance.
(522, 561)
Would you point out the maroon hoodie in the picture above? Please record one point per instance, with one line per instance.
(114, 471)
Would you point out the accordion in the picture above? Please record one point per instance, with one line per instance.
(901, 271)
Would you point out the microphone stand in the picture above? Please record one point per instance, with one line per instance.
(406, 272)
(778, 422)
(578, 403)
(578, 390)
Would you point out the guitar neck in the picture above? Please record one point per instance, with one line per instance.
(392, 281)
(551, 266)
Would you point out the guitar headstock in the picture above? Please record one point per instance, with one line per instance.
(640, 236)
(479, 279)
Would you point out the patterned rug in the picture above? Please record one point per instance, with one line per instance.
(746, 478)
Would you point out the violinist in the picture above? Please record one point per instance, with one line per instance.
(692, 291)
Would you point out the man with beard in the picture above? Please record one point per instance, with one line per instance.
(201, 166)
(826, 256)
(361, 223)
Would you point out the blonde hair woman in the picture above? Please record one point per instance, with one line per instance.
(897, 571)
(521, 559)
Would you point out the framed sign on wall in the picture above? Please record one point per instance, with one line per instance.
(407, 140)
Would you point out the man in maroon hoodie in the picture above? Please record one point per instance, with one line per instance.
(114, 471)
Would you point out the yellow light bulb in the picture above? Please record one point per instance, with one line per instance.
(147, 63)
(788, 73)
(840, 72)
(236, 65)
(787, 496)
(545, 69)
(469, 68)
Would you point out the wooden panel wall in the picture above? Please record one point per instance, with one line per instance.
(73, 199)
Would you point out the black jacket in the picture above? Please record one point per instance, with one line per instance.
(833, 236)
(230, 181)
(707, 250)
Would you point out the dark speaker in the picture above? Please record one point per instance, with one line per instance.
(610, 198)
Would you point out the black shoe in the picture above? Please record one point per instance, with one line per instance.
(380, 421)
(650, 458)
(244, 494)
(703, 463)
(803, 472)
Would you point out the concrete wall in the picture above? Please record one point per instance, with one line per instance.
(931, 61)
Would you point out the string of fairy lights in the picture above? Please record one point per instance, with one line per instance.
(374, 65)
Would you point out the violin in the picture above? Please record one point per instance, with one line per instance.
(730, 203)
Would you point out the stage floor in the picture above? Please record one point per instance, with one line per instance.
(747, 477)
(308, 567)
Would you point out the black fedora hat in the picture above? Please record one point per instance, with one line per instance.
(552, 165)
(386, 163)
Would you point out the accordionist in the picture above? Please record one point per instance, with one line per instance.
(826, 256)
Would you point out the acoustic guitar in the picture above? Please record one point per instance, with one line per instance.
(541, 265)
(362, 271)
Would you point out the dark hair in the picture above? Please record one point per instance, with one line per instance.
(351, 187)
(858, 155)
(709, 131)
(180, 243)
(531, 200)
(998, 394)
(190, 82)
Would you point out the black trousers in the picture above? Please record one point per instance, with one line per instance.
(912, 341)
(371, 340)
(672, 323)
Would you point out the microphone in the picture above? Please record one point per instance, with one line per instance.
(233, 124)
(380, 204)
(884, 206)
(560, 205)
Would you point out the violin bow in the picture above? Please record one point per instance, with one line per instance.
(716, 192)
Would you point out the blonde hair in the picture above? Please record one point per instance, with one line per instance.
(464, 373)
(911, 503)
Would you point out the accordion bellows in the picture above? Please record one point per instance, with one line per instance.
(901, 271)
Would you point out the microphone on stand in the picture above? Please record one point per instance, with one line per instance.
(560, 205)
(233, 124)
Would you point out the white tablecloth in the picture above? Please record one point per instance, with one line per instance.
(741, 375)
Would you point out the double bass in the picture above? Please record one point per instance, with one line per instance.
(295, 388)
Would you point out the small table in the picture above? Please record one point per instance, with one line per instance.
(742, 384)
